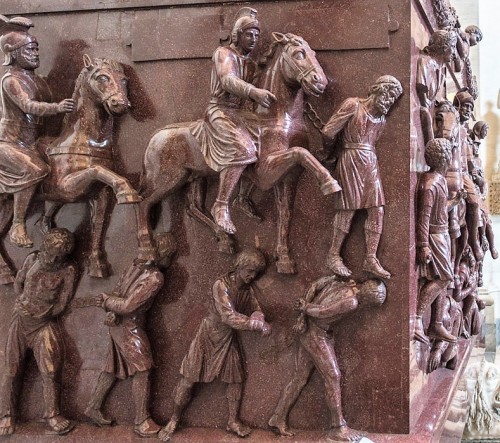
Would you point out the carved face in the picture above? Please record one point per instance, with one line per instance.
(248, 39)
(449, 53)
(446, 121)
(385, 99)
(247, 273)
(52, 256)
(27, 56)
(465, 111)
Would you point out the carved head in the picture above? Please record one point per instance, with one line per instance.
(246, 30)
(480, 130)
(438, 153)
(107, 83)
(249, 263)
(446, 122)
(475, 34)
(464, 102)
(56, 245)
(13, 37)
(386, 90)
(442, 45)
(298, 63)
(371, 293)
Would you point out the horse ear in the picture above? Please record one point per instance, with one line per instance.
(87, 61)
(280, 38)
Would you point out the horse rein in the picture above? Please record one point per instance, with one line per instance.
(292, 63)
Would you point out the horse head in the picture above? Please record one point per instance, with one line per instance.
(297, 63)
(106, 83)
(446, 121)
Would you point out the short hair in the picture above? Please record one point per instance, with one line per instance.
(473, 29)
(437, 152)
(60, 239)
(372, 292)
(250, 257)
(480, 129)
(386, 82)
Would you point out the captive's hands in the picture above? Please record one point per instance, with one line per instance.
(424, 255)
(263, 97)
(300, 305)
(67, 105)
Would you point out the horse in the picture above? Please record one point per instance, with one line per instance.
(173, 156)
(81, 158)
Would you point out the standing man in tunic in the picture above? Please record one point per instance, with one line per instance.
(25, 97)
(225, 135)
(359, 123)
(130, 353)
(216, 352)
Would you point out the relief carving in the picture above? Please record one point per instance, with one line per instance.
(358, 124)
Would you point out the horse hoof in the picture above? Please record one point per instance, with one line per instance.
(128, 197)
(330, 187)
(286, 266)
(98, 269)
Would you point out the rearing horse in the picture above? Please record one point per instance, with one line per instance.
(81, 157)
(173, 156)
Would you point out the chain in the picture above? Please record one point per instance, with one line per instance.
(313, 116)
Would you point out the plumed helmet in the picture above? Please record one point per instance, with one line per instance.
(462, 97)
(14, 35)
(245, 19)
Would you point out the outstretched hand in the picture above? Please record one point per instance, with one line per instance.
(67, 105)
(263, 97)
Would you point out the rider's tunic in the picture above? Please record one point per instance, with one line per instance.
(225, 133)
(24, 95)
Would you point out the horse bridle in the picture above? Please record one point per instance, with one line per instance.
(292, 63)
(97, 92)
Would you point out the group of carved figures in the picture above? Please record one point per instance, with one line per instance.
(252, 134)
(453, 226)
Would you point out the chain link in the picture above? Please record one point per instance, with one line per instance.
(313, 116)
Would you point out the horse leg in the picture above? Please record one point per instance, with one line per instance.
(7, 274)
(152, 195)
(284, 192)
(76, 181)
(196, 198)
(278, 164)
(46, 221)
(99, 215)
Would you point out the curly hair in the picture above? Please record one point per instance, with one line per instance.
(437, 152)
(440, 40)
(60, 239)
(386, 82)
(372, 292)
(473, 29)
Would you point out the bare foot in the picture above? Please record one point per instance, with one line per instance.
(336, 265)
(220, 213)
(238, 428)
(246, 205)
(344, 433)
(167, 431)
(280, 426)
(59, 424)
(373, 266)
(494, 253)
(7, 425)
(19, 236)
(97, 417)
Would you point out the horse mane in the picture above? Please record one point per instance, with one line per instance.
(97, 63)
(271, 52)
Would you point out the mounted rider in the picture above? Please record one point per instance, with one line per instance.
(225, 134)
(25, 97)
